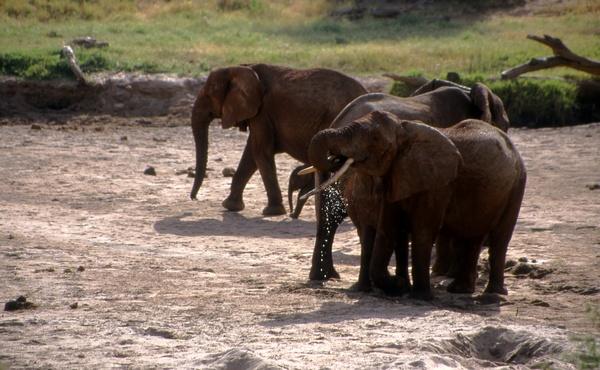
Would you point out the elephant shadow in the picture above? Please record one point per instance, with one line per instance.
(375, 305)
(233, 223)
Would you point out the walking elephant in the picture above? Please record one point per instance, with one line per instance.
(438, 103)
(281, 107)
(301, 183)
(466, 182)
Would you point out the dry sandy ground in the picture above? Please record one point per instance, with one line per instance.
(127, 272)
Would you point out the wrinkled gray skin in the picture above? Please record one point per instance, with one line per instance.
(302, 184)
(465, 182)
(439, 104)
(282, 108)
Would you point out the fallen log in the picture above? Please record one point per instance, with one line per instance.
(563, 57)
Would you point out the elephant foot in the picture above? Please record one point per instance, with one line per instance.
(460, 287)
(360, 286)
(406, 287)
(294, 215)
(421, 295)
(323, 274)
(498, 289)
(275, 210)
(233, 205)
(392, 286)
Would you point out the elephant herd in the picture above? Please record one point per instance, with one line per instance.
(433, 169)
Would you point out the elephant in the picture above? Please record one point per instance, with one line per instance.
(438, 103)
(281, 107)
(301, 183)
(465, 182)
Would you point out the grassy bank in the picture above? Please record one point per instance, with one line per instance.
(191, 37)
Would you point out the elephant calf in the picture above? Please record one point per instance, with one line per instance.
(465, 182)
(437, 103)
(301, 183)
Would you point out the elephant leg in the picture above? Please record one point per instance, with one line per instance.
(443, 255)
(422, 244)
(467, 251)
(367, 239)
(305, 188)
(497, 260)
(500, 238)
(330, 214)
(299, 204)
(246, 168)
(384, 246)
(401, 251)
(265, 161)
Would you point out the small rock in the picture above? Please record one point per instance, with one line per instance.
(99, 128)
(150, 171)
(12, 306)
(81, 269)
(124, 138)
(74, 305)
(539, 273)
(522, 269)
(20, 303)
(523, 259)
(593, 186)
(35, 126)
(539, 303)
(510, 264)
(228, 171)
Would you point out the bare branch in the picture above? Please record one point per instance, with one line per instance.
(70, 55)
(563, 57)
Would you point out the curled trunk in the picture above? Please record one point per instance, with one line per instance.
(326, 148)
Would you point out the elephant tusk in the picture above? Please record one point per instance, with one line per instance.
(331, 180)
(312, 169)
(307, 170)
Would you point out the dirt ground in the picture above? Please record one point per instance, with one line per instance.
(125, 271)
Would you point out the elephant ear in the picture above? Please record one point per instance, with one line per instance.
(243, 97)
(426, 160)
(491, 107)
(366, 187)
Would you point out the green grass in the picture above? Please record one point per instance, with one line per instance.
(589, 355)
(191, 37)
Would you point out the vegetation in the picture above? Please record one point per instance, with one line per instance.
(589, 357)
(189, 37)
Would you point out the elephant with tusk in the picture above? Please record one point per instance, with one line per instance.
(465, 182)
(438, 103)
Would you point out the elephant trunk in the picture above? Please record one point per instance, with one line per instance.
(327, 148)
(200, 125)
(291, 195)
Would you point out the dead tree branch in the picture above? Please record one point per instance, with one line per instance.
(70, 56)
(563, 57)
